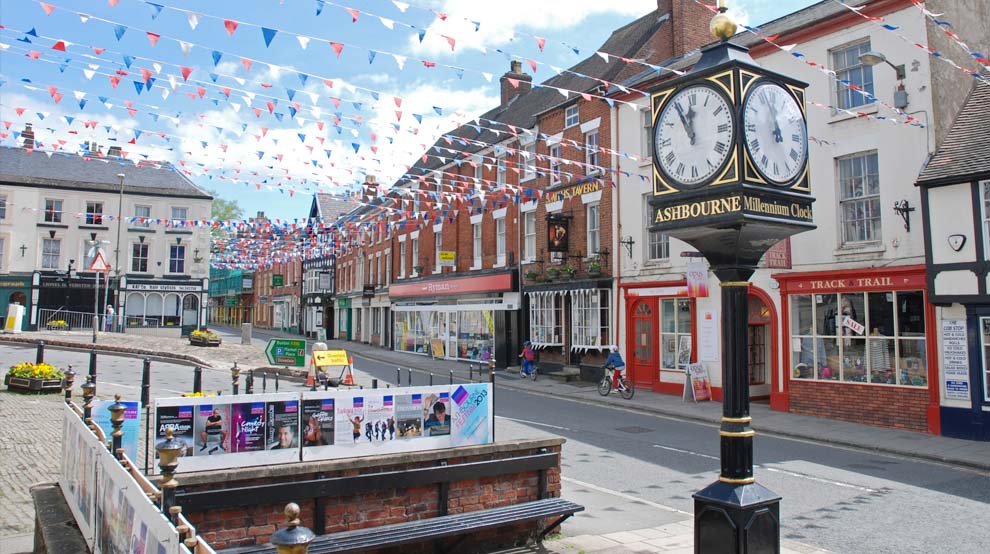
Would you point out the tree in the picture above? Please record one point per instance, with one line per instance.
(223, 210)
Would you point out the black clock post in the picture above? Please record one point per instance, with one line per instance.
(732, 194)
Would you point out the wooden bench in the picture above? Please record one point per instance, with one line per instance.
(443, 526)
(435, 529)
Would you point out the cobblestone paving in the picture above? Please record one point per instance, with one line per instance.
(30, 450)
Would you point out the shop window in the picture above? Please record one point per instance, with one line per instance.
(50, 252)
(872, 337)
(527, 159)
(554, 164)
(476, 335)
(53, 211)
(94, 213)
(985, 340)
(657, 243)
(591, 152)
(546, 311)
(591, 315)
(529, 236)
(571, 116)
(139, 257)
(675, 333)
(859, 198)
(848, 68)
(985, 190)
(594, 229)
(500, 242)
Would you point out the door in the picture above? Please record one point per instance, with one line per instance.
(644, 366)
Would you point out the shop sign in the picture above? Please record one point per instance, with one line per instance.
(557, 236)
(698, 381)
(488, 283)
(956, 358)
(247, 283)
(278, 280)
(325, 280)
(230, 302)
(164, 288)
(448, 259)
(368, 291)
(574, 191)
(14, 283)
(343, 302)
(863, 281)
(779, 255)
(697, 278)
(854, 325)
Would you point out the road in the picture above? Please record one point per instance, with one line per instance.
(647, 467)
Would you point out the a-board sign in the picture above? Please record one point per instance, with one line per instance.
(698, 381)
(291, 352)
(322, 358)
(436, 348)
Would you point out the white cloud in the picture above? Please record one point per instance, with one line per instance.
(500, 21)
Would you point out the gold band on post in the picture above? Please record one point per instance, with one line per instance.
(746, 481)
(746, 419)
(734, 284)
(739, 434)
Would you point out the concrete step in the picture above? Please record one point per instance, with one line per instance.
(566, 375)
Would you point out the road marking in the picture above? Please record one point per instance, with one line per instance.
(534, 423)
(623, 496)
(682, 451)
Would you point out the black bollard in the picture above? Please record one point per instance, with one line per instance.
(39, 357)
(249, 383)
(470, 372)
(398, 376)
(374, 383)
(452, 377)
(92, 366)
(146, 402)
(408, 377)
(264, 380)
(197, 379)
(492, 381)
(276, 381)
(431, 378)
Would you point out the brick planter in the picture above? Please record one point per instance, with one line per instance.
(204, 341)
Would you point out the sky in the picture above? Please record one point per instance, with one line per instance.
(266, 101)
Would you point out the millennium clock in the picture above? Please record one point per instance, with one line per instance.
(775, 133)
(694, 135)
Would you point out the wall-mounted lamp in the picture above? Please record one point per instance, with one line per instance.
(628, 242)
(904, 209)
(72, 270)
(178, 240)
(874, 58)
(141, 239)
(51, 233)
(92, 237)
(196, 257)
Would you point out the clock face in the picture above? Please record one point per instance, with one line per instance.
(694, 135)
(775, 133)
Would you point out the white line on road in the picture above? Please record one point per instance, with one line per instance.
(527, 422)
(623, 496)
(682, 451)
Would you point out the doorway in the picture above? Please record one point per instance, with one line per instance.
(644, 364)
(760, 347)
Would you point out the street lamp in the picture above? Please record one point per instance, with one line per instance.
(873, 58)
(116, 251)
(95, 245)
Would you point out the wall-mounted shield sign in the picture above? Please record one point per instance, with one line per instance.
(956, 242)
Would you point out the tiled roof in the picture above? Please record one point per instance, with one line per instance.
(965, 152)
(71, 171)
(331, 206)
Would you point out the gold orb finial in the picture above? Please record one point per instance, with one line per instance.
(722, 26)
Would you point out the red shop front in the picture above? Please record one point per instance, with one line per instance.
(861, 346)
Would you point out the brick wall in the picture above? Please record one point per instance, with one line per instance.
(249, 525)
(896, 407)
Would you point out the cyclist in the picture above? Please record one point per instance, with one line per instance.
(528, 356)
(615, 363)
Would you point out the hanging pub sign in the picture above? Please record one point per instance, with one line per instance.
(557, 234)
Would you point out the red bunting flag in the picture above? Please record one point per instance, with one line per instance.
(541, 42)
(450, 41)
(354, 14)
(153, 37)
(270, 106)
(230, 25)
(47, 7)
(98, 51)
(226, 91)
(246, 62)
(113, 3)
(185, 72)
(34, 54)
(114, 81)
(146, 74)
(532, 64)
(427, 63)
(328, 83)
(60, 46)
(200, 91)
(337, 47)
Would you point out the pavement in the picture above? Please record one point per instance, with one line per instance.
(27, 460)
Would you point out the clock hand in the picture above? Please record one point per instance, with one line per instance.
(690, 124)
(777, 135)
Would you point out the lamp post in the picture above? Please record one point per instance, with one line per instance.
(117, 420)
(293, 538)
(95, 245)
(168, 459)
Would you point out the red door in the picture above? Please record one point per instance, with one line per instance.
(644, 363)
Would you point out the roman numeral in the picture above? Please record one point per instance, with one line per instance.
(723, 128)
(694, 172)
(776, 170)
(794, 154)
(764, 161)
(664, 143)
(693, 100)
(754, 145)
(680, 169)
(669, 158)
(710, 164)
(718, 110)
(795, 138)
(707, 98)
(721, 147)
(751, 127)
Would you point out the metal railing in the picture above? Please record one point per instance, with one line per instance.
(64, 320)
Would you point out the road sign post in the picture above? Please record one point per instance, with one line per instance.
(98, 266)
(286, 352)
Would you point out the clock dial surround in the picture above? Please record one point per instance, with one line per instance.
(694, 135)
(775, 133)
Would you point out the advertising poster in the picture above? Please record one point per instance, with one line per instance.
(180, 420)
(955, 364)
(283, 425)
(472, 416)
(78, 473)
(248, 423)
(409, 415)
(212, 430)
(131, 427)
(436, 415)
(317, 416)
(351, 416)
(379, 417)
(698, 382)
(697, 279)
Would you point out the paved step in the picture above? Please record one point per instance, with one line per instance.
(566, 375)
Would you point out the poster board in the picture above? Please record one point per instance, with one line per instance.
(131, 427)
(231, 431)
(955, 364)
(436, 348)
(77, 478)
(698, 382)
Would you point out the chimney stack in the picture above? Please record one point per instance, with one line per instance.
(515, 76)
(28, 134)
(114, 151)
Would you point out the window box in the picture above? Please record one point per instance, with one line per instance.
(568, 272)
(594, 269)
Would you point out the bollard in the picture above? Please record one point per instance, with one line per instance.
(264, 380)
(470, 372)
(197, 379)
(276, 381)
(398, 376)
(89, 392)
(293, 538)
(117, 420)
(39, 357)
(408, 376)
(146, 402)
(431, 378)
(168, 461)
(70, 378)
(492, 380)
(374, 383)
(452, 377)
(235, 375)
(92, 366)
(249, 383)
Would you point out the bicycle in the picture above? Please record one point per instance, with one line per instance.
(625, 388)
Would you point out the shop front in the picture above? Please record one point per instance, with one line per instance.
(16, 289)
(460, 318)
(151, 304)
(344, 329)
(571, 324)
(862, 347)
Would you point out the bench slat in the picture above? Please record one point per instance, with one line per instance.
(431, 528)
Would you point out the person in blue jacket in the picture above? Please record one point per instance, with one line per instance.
(614, 360)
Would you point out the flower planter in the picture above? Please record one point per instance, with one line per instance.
(204, 341)
(594, 274)
(553, 274)
(57, 327)
(30, 384)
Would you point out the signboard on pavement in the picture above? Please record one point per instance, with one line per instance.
(291, 352)
(322, 358)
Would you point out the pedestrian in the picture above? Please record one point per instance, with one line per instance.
(108, 319)
(528, 356)
(391, 428)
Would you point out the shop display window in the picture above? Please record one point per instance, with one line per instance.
(985, 334)
(546, 314)
(875, 337)
(476, 335)
(590, 316)
(675, 333)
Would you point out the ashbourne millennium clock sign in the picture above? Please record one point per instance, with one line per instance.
(730, 158)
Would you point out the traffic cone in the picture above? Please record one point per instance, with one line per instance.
(310, 380)
(349, 378)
